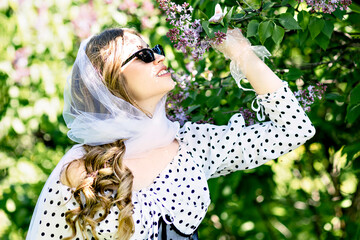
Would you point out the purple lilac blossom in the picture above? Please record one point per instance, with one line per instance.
(307, 96)
(248, 115)
(176, 112)
(327, 6)
(186, 33)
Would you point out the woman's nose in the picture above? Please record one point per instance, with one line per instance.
(158, 58)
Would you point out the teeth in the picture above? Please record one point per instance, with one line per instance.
(162, 73)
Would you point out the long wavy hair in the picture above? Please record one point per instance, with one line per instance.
(105, 173)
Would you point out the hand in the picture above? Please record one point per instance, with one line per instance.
(234, 44)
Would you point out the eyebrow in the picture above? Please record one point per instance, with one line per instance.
(141, 47)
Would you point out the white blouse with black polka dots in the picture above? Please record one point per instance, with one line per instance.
(179, 196)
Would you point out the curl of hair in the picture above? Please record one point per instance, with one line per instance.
(108, 181)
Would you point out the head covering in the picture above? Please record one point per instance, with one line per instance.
(95, 116)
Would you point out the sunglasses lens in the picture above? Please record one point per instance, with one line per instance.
(159, 50)
(146, 55)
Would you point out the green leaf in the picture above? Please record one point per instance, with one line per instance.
(205, 25)
(353, 19)
(303, 36)
(202, 15)
(193, 94)
(197, 118)
(192, 108)
(247, 98)
(334, 96)
(339, 13)
(284, 2)
(316, 25)
(290, 10)
(268, 5)
(353, 112)
(355, 95)
(229, 15)
(293, 3)
(288, 21)
(213, 101)
(303, 19)
(351, 150)
(278, 34)
(218, 27)
(328, 28)
(265, 30)
(252, 28)
(322, 40)
(293, 74)
(355, 8)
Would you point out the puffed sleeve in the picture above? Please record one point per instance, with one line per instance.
(50, 222)
(220, 150)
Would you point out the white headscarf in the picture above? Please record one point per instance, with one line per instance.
(110, 118)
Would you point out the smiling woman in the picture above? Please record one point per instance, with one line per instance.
(148, 83)
(136, 174)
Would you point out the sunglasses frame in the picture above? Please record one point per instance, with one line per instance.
(158, 49)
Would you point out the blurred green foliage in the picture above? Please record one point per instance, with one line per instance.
(310, 193)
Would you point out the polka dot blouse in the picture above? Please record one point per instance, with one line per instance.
(179, 195)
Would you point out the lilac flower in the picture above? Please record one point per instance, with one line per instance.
(42, 18)
(128, 5)
(20, 64)
(210, 120)
(218, 16)
(248, 115)
(307, 97)
(219, 38)
(145, 11)
(175, 110)
(85, 19)
(186, 33)
(148, 7)
(173, 34)
(145, 22)
(327, 6)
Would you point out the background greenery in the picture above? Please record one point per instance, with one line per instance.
(310, 193)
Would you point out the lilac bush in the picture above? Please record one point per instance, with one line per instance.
(188, 36)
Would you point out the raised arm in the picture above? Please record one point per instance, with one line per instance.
(237, 48)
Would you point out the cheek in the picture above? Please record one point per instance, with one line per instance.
(137, 84)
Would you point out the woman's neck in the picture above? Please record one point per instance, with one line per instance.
(149, 105)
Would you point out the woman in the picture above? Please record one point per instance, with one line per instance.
(137, 175)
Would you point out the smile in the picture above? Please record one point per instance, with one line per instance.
(161, 73)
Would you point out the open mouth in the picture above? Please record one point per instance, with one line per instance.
(162, 73)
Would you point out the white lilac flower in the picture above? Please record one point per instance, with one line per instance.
(218, 16)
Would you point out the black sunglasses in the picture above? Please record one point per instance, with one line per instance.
(146, 54)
